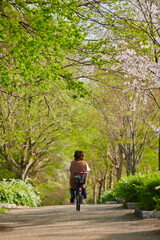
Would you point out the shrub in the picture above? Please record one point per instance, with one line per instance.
(157, 199)
(149, 193)
(143, 189)
(127, 188)
(108, 195)
(19, 192)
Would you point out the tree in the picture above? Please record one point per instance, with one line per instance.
(55, 51)
(35, 38)
(130, 122)
(31, 123)
(125, 38)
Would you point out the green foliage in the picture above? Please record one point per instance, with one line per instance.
(149, 192)
(109, 195)
(141, 188)
(127, 188)
(52, 181)
(43, 55)
(6, 173)
(36, 36)
(157, 198)
(149, 161)
(19, 192)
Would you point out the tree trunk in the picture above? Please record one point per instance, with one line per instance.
(104, 183)
(100, 190)
(133, 155)
(120, 168)
(128, 159)
(94, 194)
(111, 178)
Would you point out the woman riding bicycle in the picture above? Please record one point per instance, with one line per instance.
(78, 165)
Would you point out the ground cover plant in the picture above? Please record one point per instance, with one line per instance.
(19, 192)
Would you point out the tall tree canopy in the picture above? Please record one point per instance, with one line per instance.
(35, 37)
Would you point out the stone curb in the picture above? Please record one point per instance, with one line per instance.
(120, 200)
(147, 214)
(111, 202)
(6, 205)
(130, 205)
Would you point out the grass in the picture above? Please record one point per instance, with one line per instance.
(3, 210)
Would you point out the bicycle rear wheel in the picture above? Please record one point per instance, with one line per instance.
(78, 204)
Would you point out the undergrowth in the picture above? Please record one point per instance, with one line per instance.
(141, 188)
(19, 192)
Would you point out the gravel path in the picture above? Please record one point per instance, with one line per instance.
(100, 222)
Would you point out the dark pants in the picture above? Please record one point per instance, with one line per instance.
(72, 192)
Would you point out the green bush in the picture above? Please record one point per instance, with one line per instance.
(19, 192)
(143, 189)
(149, 193)
(127, 188)
(157, 199)
(108, 195)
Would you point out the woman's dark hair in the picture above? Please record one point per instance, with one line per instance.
(79, 154)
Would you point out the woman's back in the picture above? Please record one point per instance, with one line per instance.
(77, 166)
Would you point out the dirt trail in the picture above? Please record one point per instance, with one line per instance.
(100, 222)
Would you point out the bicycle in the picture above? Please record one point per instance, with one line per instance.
(80, 179)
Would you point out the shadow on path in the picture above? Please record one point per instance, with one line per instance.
(53, 214)
(146, 235)
(95, 222)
